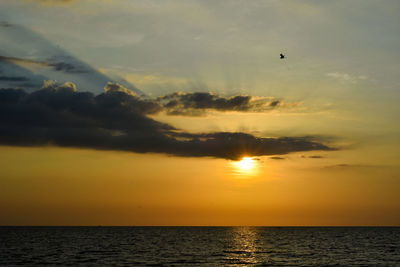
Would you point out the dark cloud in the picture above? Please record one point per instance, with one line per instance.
(56, 66)
(13, 79)
(116, 120)
(67, 67)
(68, 64)
(277, 158)
(5, 24)
(316, 157)
(196, 104)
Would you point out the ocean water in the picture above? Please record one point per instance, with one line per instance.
(201, 246)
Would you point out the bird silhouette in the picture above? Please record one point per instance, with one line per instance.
(282, 56)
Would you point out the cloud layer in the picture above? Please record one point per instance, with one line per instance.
(194, 104)
(116, 120)
(52, 2)
(54, 65)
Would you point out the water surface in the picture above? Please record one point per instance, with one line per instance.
(201, 246)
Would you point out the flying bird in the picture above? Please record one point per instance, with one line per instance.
(282, 56)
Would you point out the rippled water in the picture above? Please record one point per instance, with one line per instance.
(207, 246)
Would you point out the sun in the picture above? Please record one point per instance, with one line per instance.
(245, 166)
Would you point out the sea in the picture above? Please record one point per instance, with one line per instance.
(200, 246)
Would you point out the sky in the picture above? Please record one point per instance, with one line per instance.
(182, 112)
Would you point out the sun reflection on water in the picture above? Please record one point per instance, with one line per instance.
(243, 249)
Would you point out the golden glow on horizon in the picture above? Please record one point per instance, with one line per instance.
(246, 166)
(66, 186)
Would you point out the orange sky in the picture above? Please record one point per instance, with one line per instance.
(85, 187)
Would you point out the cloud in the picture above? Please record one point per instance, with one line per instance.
(344, 77)
(13, 78)
(344, 166)
(56, 66)
(178, 103)
(52, 85)
(277, 158)
(116, 87)
(52, 2)
(17, 60)
(5, 24)
(316, 157)
(116, 120)
(67, 67)
(196, 104)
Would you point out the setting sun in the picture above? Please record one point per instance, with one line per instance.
(245, 166)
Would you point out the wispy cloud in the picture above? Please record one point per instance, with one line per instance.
(51, 2)
(277, 158)
(54, 65)
(17, 60)
(345, 77)
(316, 157)
(116, 120)
(343, 166)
